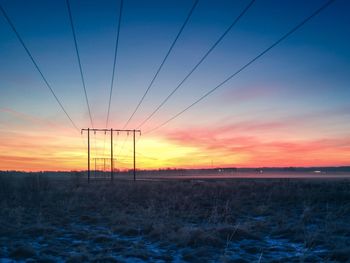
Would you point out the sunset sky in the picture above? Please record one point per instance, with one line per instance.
(289, 108)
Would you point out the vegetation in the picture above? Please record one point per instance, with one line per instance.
(48, 219)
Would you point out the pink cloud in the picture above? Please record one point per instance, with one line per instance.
(233, 139)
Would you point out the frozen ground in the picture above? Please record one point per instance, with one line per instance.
(45, 220)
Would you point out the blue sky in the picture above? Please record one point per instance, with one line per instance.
(309, 73)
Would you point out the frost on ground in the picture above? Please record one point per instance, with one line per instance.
(49, 220)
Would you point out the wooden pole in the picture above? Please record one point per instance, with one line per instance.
(111, 154)
(95, 168)
(134, 157)
(88, 155)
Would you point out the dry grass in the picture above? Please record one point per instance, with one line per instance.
(228, 221)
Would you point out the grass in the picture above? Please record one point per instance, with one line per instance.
(255, 220)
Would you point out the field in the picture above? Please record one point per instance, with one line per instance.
(46, 219)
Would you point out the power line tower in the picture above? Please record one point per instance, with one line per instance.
(111, 153)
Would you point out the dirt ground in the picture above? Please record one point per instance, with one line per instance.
(43, 219)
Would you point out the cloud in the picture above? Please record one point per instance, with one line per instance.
(264, 143)
(28, 118)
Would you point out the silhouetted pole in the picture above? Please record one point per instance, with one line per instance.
(112, 164)
(111, 154)
(134, 157)
(88, 155)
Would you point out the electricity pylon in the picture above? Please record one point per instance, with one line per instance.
(111, 131)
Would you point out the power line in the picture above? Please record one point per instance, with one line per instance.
(159, 68)
(113, 71)
(298, 26)
(124, 142)
(123, 145)
(199, 62)
(37, 67)
(163, 62)
(114, 62)
(79, 62)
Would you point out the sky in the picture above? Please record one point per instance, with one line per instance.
(289, 108)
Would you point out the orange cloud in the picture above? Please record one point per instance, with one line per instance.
(243, 144)
(251, 146)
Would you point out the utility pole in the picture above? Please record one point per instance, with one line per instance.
(88, 155)
(112, 164)
(112, 155)
(134, 157)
